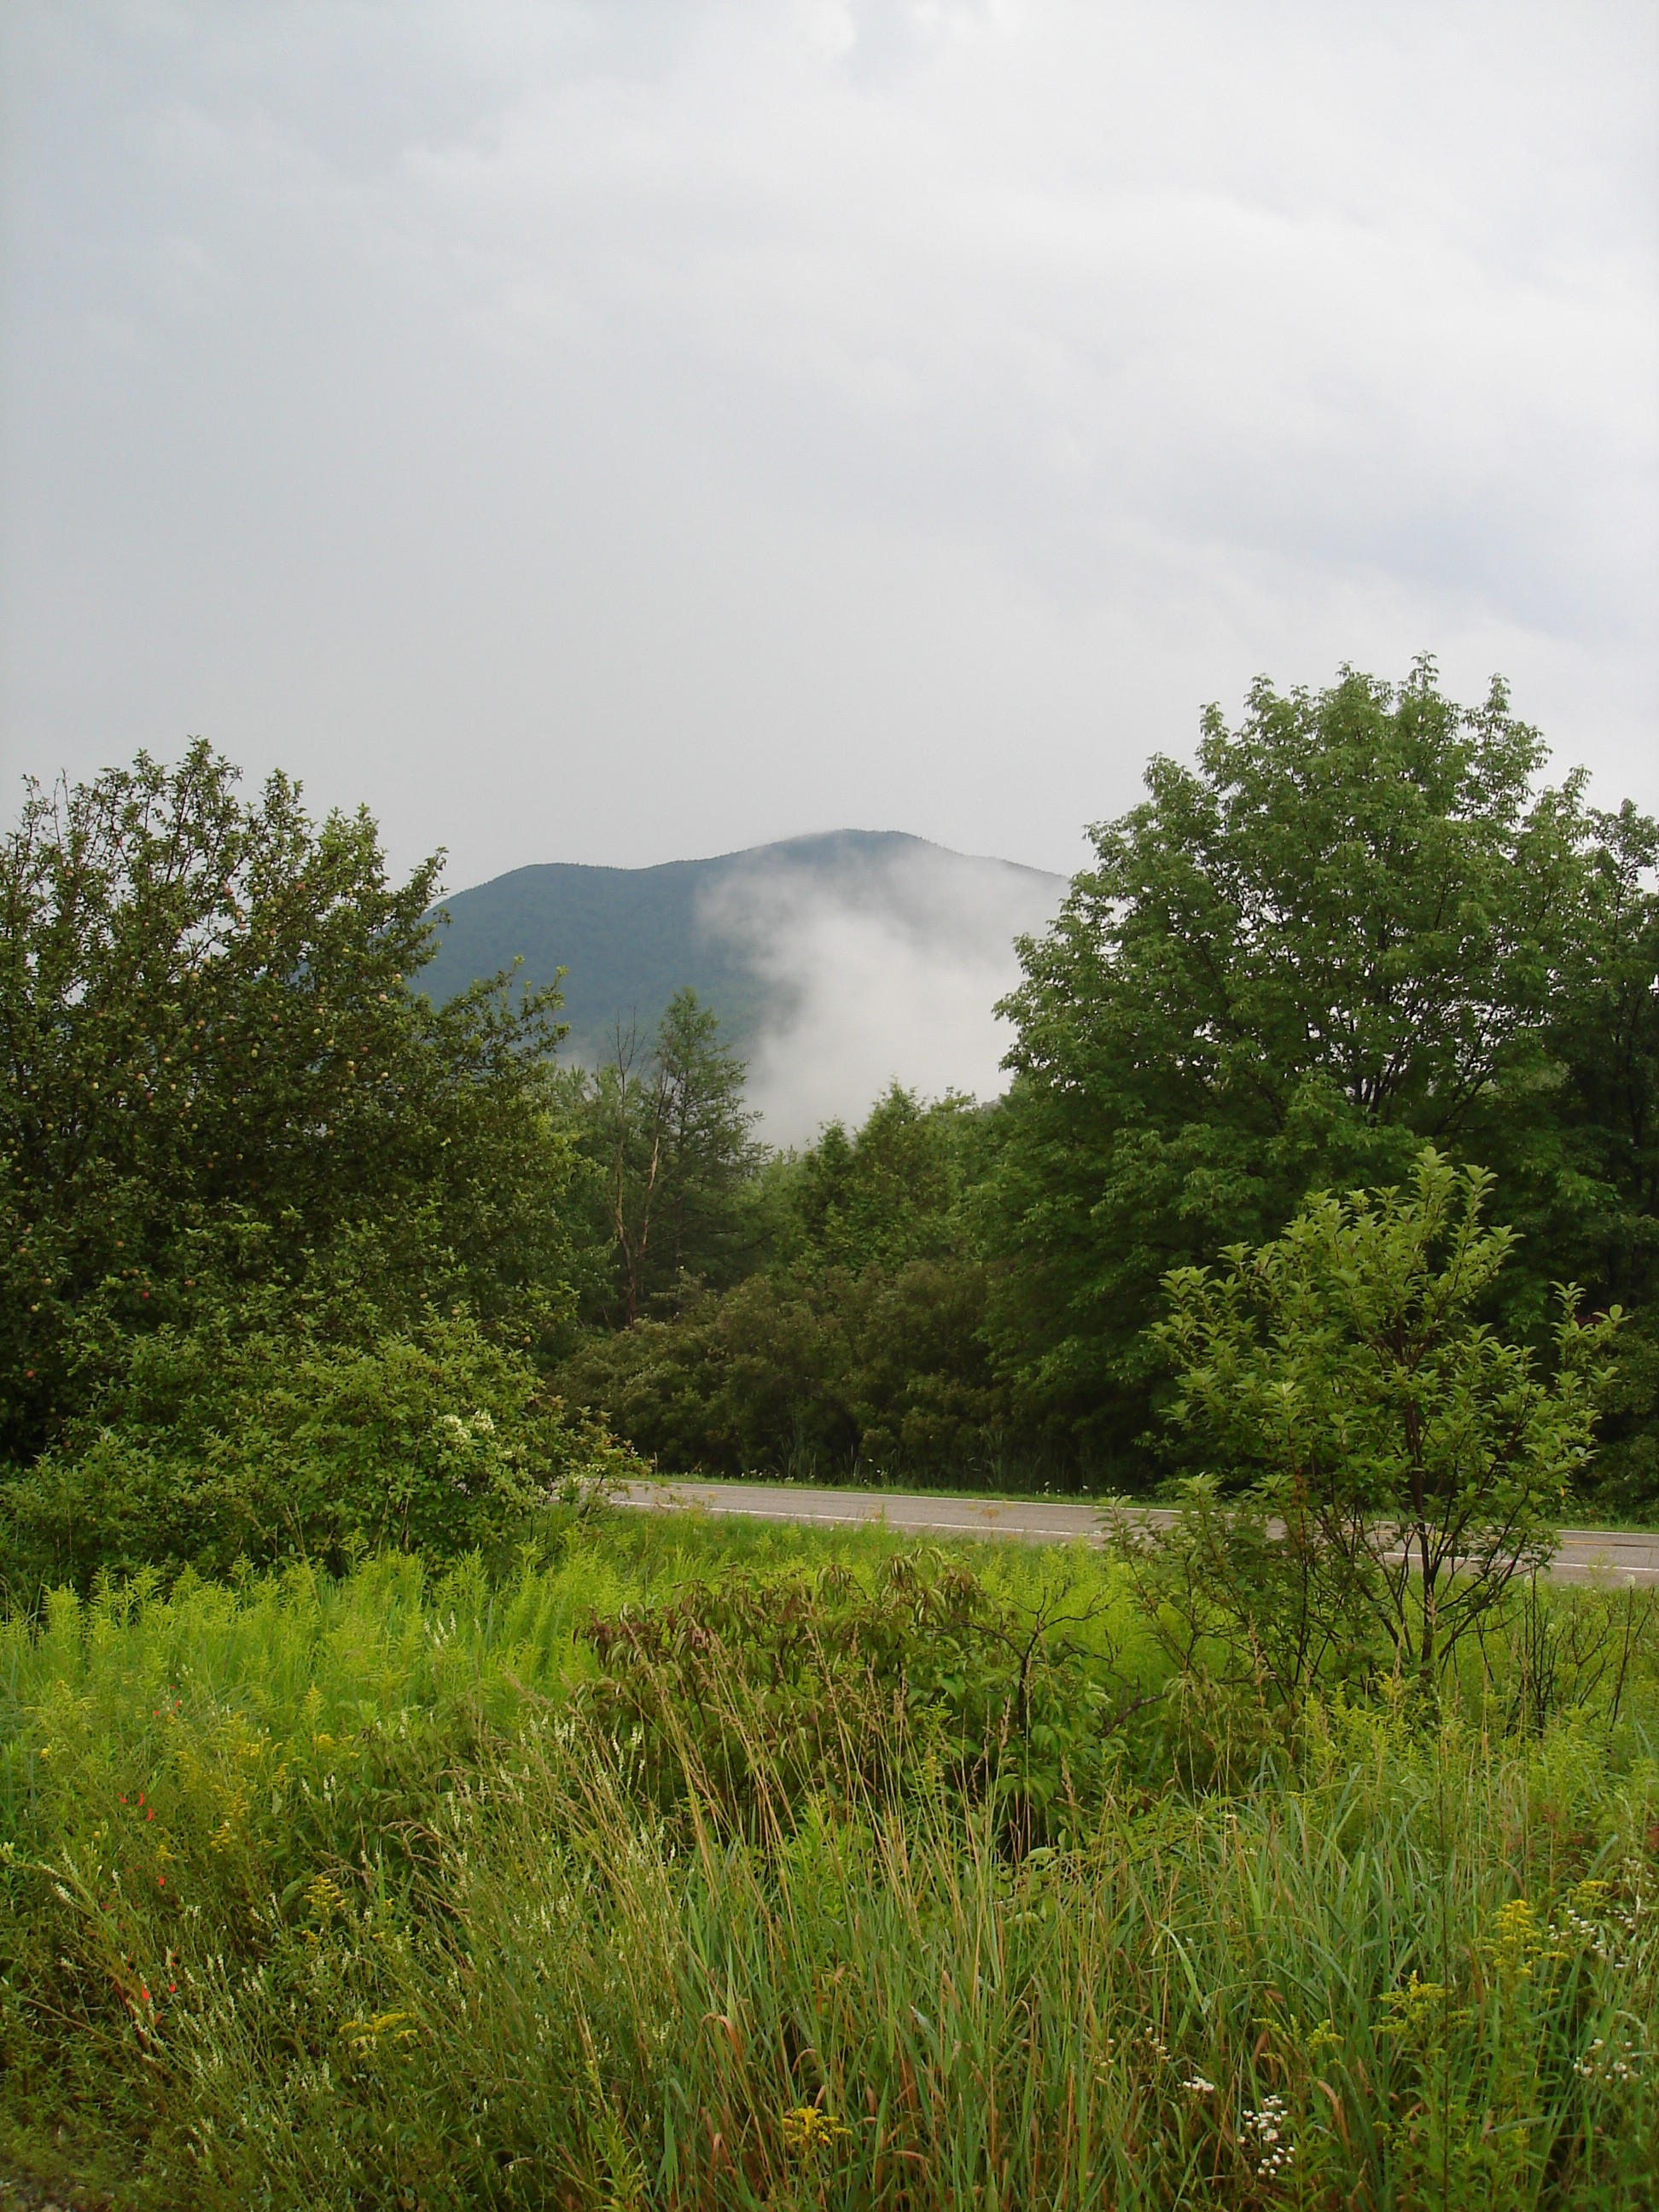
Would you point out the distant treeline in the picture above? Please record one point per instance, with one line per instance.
(263, 1206)
(1358, 922)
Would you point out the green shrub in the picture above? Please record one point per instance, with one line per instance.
(218, 1447)
(1400, 1464)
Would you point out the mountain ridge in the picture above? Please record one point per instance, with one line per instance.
(629, 938)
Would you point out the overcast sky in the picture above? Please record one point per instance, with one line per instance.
(624, 431)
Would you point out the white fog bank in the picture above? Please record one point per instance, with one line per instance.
(892, 971)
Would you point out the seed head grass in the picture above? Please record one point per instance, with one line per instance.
(360, 1893)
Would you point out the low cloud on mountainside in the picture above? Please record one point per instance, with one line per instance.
(894, 969)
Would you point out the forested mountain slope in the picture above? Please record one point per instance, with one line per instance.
(629, 938)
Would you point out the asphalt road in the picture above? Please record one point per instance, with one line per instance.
(1618, 1556)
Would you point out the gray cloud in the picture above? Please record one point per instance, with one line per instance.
(609, 433)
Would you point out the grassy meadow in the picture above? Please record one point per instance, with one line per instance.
(671, 1863)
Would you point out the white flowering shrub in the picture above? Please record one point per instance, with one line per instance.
(273, 1446)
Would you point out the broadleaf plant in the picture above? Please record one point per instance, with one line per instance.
(1381, 1465)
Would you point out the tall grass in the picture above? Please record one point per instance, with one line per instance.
(353, 1894)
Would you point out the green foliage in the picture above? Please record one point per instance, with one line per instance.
(670, 1145)
(749, 1695)
(857, 1348)
(216, 1073)
(746, 1380)
(920, 1390)
(1597, 1215)
(337, 1895)
(1345, 930)
(1414, 1462)
(1624, 1477)
(224, 1444)
(814, 1377)
(890, 1193)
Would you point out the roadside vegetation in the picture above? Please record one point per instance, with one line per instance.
(1362, 922)
(677, 1865)
(387, 1819)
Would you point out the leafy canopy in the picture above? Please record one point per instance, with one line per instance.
(889, 1192)
(668, 1144)
(219, 1082)
(1335, 935)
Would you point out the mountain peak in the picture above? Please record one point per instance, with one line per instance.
(761, 934)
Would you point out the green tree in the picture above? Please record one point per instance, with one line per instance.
(890, 1193)
(920, 1389)
(1341, 932)
(667, 1129)
(1394, 1463)
(855, 1347)
(1603, 1038)
(818, 1377)
(217, 1079)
